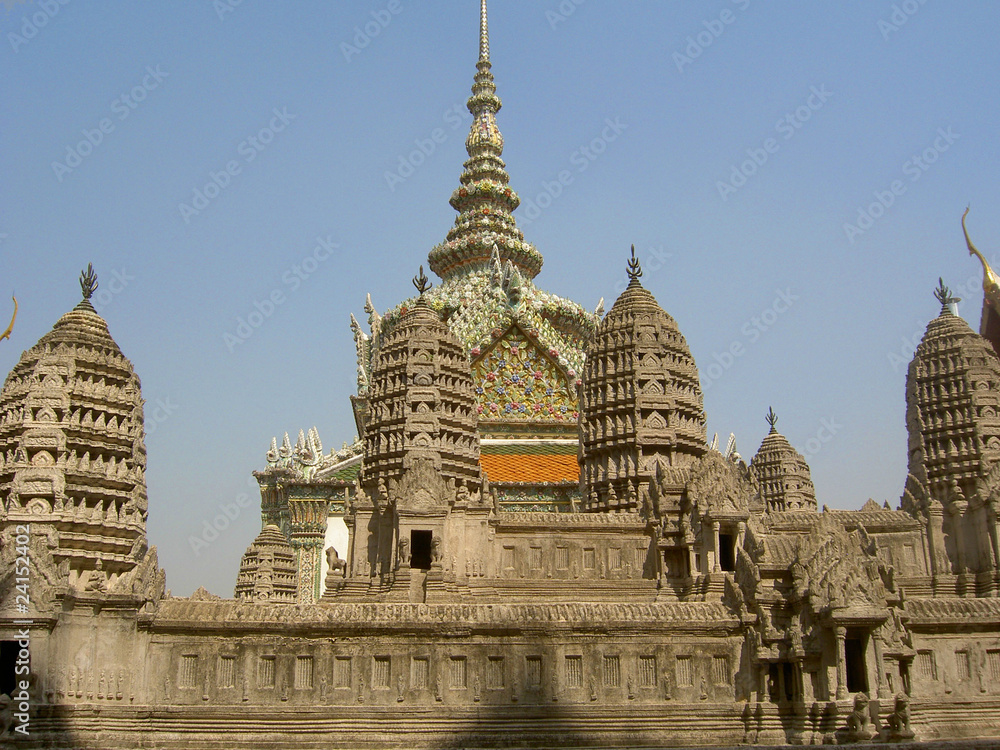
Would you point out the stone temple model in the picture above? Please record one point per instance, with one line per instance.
(530, 544)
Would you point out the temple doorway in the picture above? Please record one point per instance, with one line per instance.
(854, 657)
(420, 549)
(727, 558)
(8, 659)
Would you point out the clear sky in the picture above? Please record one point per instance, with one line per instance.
(731, 141)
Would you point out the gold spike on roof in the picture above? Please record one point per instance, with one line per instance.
(484, 201)
(991, 283)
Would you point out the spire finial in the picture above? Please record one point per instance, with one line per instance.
(88, 281)
(420, 282)
(991, 283)
(484, 34)
(634, 268)
(943, 295)
(772, 419)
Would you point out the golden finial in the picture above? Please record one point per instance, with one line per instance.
(943, 295)
(991, 283)
(10, 328)
(484, 34)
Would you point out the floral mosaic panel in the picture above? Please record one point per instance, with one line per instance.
(517, 381)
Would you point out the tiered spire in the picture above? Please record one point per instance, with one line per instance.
(484, 201)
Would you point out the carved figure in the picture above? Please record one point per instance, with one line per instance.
(435, 548)
(899, 720)
(337, 566)
(403, 550)
(857, 720)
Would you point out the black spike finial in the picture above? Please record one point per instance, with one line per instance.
(943, 295)
(634, 268)
(772, 419)
(420, 282)
(88, 281)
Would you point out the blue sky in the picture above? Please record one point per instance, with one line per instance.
(730, 141)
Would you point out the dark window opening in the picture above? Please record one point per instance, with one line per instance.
(8, 659)
(420, 546)
(727, 557)
(857, 677)
(789, 675)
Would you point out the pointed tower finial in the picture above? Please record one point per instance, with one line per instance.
(88, 281)
(634, 268)
(484, 200)
(991, 283)
(420, 282)
(772, 419)
(484, 34)
(943, 295)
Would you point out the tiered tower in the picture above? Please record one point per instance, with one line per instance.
(268, 570)
(785, 481)
(642, 416)
(72, 456)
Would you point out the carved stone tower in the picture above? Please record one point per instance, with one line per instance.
(72, 456)
(785, 482)
(268, 570)
(953, 420)
(642, 419)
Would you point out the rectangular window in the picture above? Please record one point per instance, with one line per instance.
(720, 670)
(227, 671)
(459, 673)
(647, 671)
(265, 672)
(381, 671)
(342, 672)
(189, 671)
(926, 665)
(684, 674)
(420, 671)
(574, 671)
(535, 558)
(612, 671)
(993, 661)
(494, 673)
(589, 558)
(507, 558)
(614, 558)
(562, 558)
(303, 673)
(962, 665)
(533, 667)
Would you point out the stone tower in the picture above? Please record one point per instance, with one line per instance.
(268, 570)
(953, 421)
(642, 419)
(72, 456)
(420, 474)
(785, 482)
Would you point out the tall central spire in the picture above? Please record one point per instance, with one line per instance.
(484, 201)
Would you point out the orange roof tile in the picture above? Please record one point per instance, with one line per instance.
(530, 467)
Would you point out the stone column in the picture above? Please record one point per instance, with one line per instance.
(308, 530)
(841, 634)
(715, 547)
(883, 690)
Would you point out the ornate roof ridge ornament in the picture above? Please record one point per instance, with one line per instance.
(484, 34)
(10, 328)
(991, 282)
(772, 419)
(88, 281)
(420, 281)
(943, 295)
(634, 267)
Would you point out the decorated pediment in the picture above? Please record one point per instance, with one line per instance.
(717, 487)
(516, 380)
